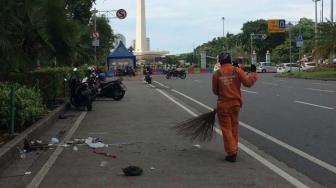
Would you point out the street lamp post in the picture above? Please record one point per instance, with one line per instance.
(290, 45)
(95, 30)
(223, 19)
(316, 16)
(332, 11)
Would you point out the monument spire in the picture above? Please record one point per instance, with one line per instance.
(140, 42)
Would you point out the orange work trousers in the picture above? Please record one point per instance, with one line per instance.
(229, 123)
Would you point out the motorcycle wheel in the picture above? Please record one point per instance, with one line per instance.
(183, 76)
(118, 94)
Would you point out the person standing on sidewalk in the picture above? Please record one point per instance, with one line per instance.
(226, 83)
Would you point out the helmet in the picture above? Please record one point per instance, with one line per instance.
(101, 76)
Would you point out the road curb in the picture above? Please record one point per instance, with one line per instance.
(9, 151)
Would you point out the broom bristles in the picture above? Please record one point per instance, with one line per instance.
(200, 128)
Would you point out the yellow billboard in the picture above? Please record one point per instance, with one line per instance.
(276, 26)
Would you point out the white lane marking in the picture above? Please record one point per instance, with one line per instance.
(52, 159)
(177, 103)
(281, 143)
(270, 83)
(201, 104)
(329, 91)
(195, 100)
(310, 104)
(322, 84)
(151, 86)
(271, 166)
(291, 148)
(247, 91)
(265, 162)
(161, 85)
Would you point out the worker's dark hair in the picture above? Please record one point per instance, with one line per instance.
(224, 58)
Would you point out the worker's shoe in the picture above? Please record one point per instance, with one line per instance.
(231, 158)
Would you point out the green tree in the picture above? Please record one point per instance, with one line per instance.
(326, 41)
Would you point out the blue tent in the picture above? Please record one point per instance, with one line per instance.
(121, 52)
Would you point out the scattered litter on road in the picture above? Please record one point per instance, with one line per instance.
(132, 171)
(22, 153)
(197, 146)
(152, 168)
(95, 143)
(105, 154)
(75, 148)
(27, 173)
(103, 163)
(54, 140)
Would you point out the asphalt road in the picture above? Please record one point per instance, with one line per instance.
(139, 131)
(301, 114)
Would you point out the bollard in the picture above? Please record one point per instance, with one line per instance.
(12, 111)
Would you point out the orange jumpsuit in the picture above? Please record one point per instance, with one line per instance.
(226, 83)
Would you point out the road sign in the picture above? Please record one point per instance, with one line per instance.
(95, 42)
(95, 35)
(121, 14)
(299, 40)
(276, 26)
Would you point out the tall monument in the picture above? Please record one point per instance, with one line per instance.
(140, 42)
(142, 45)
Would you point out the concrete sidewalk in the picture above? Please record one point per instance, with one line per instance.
(142, 123)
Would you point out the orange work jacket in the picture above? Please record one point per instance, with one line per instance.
(226, 83)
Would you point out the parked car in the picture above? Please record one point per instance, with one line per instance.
(266, 67)
(288, 67)
(308, 65)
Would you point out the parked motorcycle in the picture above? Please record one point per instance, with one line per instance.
(175, 73)
(101, 88)
(80, 93)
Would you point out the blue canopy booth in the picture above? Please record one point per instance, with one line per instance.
(120, 57)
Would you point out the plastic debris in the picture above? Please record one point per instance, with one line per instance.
(152, 168)
(54, 140)
(22, 153)
(75, 148)
(103, 163)
(197, 146)
(132, 171)
(27, 173)
(95, 143)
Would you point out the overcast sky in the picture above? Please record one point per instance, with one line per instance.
(179, 25)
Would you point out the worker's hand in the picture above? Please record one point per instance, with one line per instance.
(253, 68)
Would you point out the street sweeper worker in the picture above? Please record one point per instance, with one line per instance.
(226, 83)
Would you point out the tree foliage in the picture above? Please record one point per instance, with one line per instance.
(48, 32)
